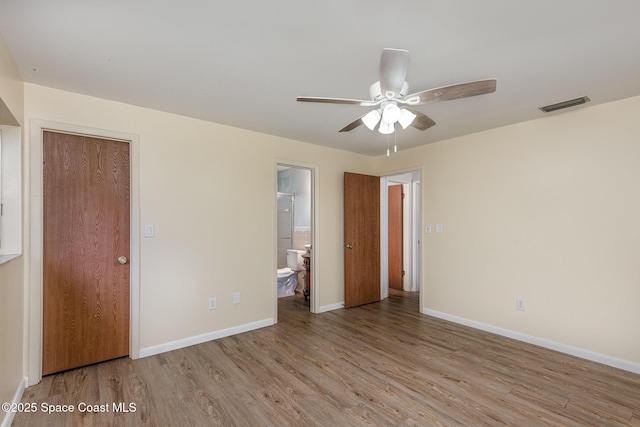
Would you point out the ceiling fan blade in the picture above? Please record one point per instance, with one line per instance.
(447, 93)
(324, 100)
(393, 71)
(354, 124)
(422, 121)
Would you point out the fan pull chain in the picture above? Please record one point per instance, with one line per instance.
(395, 142)
(388, 139)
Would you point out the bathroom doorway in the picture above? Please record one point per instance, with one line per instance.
(400, 233)
(295, 216)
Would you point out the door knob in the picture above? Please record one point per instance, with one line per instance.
(122, 259)
(348, 246)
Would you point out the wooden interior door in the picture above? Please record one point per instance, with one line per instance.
(85, 251)
(394, 217)
(361, 239)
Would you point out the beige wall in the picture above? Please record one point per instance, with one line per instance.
(210, 191)
(11, 273)
(11, 86)
(11, 329)
(547, 211)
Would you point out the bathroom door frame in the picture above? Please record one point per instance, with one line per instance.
(314, 299)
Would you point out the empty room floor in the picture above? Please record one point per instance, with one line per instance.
(382, 364)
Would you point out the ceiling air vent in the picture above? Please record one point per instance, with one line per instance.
(565, 104)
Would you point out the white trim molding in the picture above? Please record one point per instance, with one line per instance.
(331, 307)
(209, 336)
(542, 342)
(17, 397)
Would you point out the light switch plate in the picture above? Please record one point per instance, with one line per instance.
(148, 230)
(427, 229)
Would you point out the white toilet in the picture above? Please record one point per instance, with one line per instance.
(288, 276)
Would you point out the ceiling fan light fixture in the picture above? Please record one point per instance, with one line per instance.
(406, 118)
(391, 113)
(390, 98)
(372, 118)
(386, 128)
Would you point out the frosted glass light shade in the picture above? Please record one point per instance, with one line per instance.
(385, 127)
(371, 119)
(406, 118)
(391, 113)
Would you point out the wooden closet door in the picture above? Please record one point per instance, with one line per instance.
(361, 239)
(85, 251)
(396, 275)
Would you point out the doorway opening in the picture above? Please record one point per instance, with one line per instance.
(295, 236)
(400, 234)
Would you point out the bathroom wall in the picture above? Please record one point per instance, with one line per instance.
(286, 209)
(298, 181)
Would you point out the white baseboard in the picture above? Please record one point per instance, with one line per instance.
(198, 339)
(331, 307)
(552, 345)
(8, 416)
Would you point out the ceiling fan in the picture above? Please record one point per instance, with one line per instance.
(389, 95)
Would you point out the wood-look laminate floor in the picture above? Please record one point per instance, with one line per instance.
(382, 364)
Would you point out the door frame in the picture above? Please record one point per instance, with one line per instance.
(414, 258)
(34, 272)
(314, 296)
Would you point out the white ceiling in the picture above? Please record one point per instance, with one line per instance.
(242, 63)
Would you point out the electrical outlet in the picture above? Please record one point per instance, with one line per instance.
(212, 304)
(427, 229)
(438, 228)
(520, 305)
(236, 297)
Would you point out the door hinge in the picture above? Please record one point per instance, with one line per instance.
(403, 273)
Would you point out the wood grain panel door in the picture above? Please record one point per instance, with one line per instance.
(85, 231)
(361, 239)
(394, 217)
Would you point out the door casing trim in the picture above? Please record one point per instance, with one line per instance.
(33, 274)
